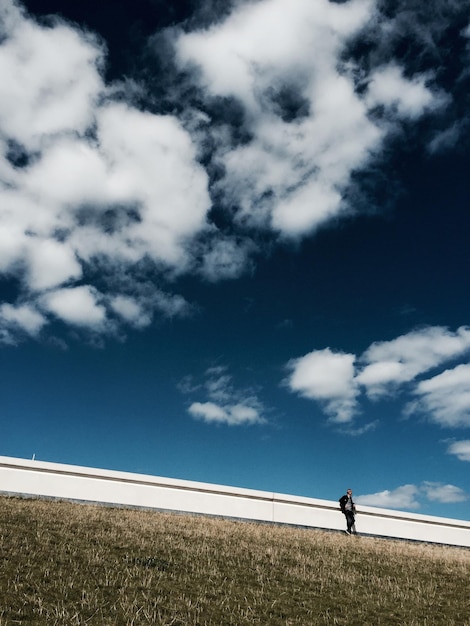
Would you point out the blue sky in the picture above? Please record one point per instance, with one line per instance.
(234, 243)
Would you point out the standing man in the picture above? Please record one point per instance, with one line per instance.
(348, 508)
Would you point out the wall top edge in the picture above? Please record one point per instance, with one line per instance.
(93, 472)
(278, 498)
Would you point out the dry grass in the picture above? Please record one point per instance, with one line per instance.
(69, 564)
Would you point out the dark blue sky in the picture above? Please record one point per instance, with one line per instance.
(234, 243)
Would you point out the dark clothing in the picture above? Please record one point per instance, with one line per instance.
(348, 508)
(350, 521)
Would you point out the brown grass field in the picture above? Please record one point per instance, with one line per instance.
(70, 564)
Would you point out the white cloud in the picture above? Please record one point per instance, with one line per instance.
(76, 305)
(137, 191)
(461, 449)
(50, 78)
(234, 415)
(266, 35)
(309, 127)
(391, 363)
(86, 180)
(129, 309)
(447, 494)
(51, 263)
(376, 375)
(336, 380)
(276, 57)
(410, 496)
(225, 404)
(404, 497)
(209, 412)
(445, 398)
(153, 165)
(327, 377)
(410, 98)
(25, 317)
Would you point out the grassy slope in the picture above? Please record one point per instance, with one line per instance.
(69, 564)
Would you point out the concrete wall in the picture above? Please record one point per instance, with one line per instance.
(38, 478)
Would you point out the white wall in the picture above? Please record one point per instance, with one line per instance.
(38, 478)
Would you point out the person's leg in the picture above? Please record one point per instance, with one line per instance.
(349, 521)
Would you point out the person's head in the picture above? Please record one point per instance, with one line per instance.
(349, 492)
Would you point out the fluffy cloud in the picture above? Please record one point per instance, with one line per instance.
(410, 496)
(447, 494)
(50, 263)
(308, 125)
(76, 305)
(336, 379)
(404, 497)
(445, 398)
(280, 59)
(50, 78)
(391, 363)
(409, 98)
(225, 404)
(25, 318)
(461, 449)
(86, 181)
(327, 377)
(281, 112)
(134, 192)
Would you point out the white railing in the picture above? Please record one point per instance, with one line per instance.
(71, 482)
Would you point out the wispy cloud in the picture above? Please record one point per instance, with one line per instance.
(224, 404)
(232, 414)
